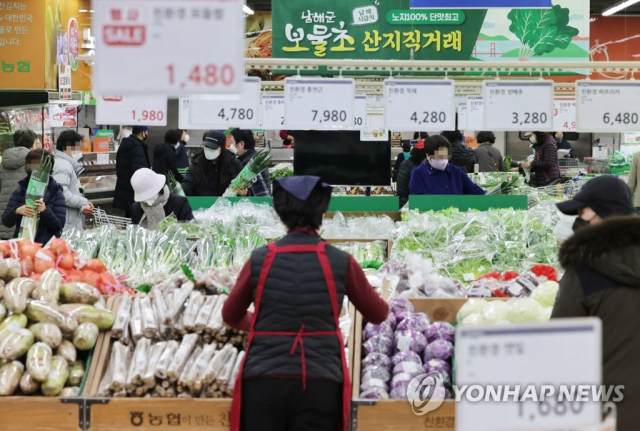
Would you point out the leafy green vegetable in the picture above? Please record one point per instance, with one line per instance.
(541, 31)
(187, 272)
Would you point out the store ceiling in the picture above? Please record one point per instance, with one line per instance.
(597, 6)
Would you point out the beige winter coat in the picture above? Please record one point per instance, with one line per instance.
(634, 179)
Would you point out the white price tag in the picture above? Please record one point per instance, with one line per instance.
(63, 116)
(183, 115)
(516, 360)
(272, 111)
(360, 112)
(564, 114)
(518, 105)
(463, 114)
(319, 104)
(221, 112)
(476, 113)
(174, 48)
(131, 110)
(374, 129)
(426, 105)
(603, 106)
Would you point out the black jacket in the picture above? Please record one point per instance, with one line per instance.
(212, 185)
(545, 165)
(396, 167)
(50, 222)
(462, 157)
(602, 279)
(566, 145)
(165, 160)
(132, 155)
(176, 205)
(404, 178)
(183, 156)
(246, 157)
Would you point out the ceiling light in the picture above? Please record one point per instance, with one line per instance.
(83, 11)
(619, 6)
(249, 11)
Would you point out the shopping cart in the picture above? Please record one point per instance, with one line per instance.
(101, 218)
(597, 166)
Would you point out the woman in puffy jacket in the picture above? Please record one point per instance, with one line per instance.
(545, 164)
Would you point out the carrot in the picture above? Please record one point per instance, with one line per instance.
(66, 261)
(96, 265)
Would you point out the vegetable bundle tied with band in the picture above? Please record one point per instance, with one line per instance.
(247, 176)
(35, 191)
(174, 186)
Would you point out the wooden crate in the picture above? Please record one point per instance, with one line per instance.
(39, 414)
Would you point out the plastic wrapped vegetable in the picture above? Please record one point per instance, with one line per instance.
(409, 340)
(439, 349)
(67, 350)
(472, 320)
(122, 316)
(375, 372)
(40, 311)
(472, 306)
(374, 383)
(383, 329)
(28, 385)
(375, 394)
(414, 322)
(15, 343)
(149, 378)
(408, 367)
(102, 318)
(377, 358)
(149, 322)
(39, 361)
(85, 336)
(120, 357)
(406, 356)
(494, 312)
(236, 371)
(76, 374)
(522, 286)
(48, 333)
(10, 269)
(79, 293)
(56, 378)
(3, 310)
(182, 356)
(399, 305)
(525, 310)
(15, 321)
(166, 358)
(10, 374)
(437, 365)
(440, 331)
(16, 294)
(378, 344)
(69, 392)
(49, 289)
(546, 293)
(399, 385)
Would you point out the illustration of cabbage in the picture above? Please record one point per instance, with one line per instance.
(541, 30)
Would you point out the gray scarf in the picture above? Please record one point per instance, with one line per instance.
(154, 214)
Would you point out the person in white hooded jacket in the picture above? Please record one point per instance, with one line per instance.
(66, 172)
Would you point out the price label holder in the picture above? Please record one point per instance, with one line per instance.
(360, 112)
(463, 116)
(518, 105)
(564, 114)
(476, 113)
(559, 354)
(172, 48)
(218, 112)
(273, 111)
(603, 106)
(183, 115)
(427, 105)
(319, 104)
(132, 110)
(374, 129)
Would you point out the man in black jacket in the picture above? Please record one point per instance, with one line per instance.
(165, 159)
(245, 147)
(461, 156)
(132, 155)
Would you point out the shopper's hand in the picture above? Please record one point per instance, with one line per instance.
(525, 165)
(40, 206)
(87, 209)
(515, 169)
(243, 192)
(26, 211)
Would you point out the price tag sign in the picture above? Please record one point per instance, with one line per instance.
(426, 105)
(518, 105)
(319, 104)
(476, 113)
(516, 360)
(374, 129)
(220, 113)
(360, 112)
(273, 111)
(603, 106)
(160, 47)
(131, 110)
(463, 115)
(564, 114)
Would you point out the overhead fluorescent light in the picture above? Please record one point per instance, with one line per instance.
(249, 11)
(619, 6)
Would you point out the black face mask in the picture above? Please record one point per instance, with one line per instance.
(29, 171)
(580, 223)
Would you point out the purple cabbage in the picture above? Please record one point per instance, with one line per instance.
(379, 359)
(414, 322)
(408, 367)
(401, 308)
(374, 383)
(439, 349)
(375, 372)
(383, 329)
(409, 340)
(405, 357)
(401, 379)
(440, 331)
(379, 344)
(437, 365)
(399, 392)
(391, 321)
(375, 394)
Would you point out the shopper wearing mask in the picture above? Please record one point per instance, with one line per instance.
(66, 172)
(602, 279)
(243, 145)
(436, 176)
(488, 158)
(545, 162)
(132, 155)
(181, 150)
(417, 157)
(12, 170)
(213, 169)
(165, 158)
(406, 153)
(461, 156)
(154, 202)
(563, 144)
(51, 209)
(295, 376)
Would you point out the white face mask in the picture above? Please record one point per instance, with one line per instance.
(233, 149)
(186, 138)
(210, 154)
(152, 200)
(439, 164)
(77, 155)
(533, 139)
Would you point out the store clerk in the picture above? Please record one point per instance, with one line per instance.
(295, 375)
(436, 176)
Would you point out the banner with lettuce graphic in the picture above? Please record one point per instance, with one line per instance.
(391, 30)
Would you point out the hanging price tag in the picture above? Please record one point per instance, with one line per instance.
(319, 104)
(603, 106)
(160, 47)
(463, 115)
(131, 110)
(515, 361)
(374, 129)
(220, 113)
(518, 105)
(426, 105)
(476, 113)
(360, 112)
(272, 111)
(564, 114)
(183, 115)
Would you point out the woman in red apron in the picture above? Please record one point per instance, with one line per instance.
(295, 375)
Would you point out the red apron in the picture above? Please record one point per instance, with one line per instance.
(320, 249)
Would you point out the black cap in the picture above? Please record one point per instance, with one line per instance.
(300, 186)
(607, 196)
(214, 139)
(139, 129)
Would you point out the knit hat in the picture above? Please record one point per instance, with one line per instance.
(146, 184)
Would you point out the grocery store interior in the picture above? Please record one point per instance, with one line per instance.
(319, 214)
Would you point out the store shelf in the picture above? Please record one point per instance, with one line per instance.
(467, 202)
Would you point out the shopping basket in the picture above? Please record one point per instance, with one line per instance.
(101, 218)
(597, 166)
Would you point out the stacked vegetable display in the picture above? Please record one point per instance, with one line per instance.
(47, 325)
(404, 346)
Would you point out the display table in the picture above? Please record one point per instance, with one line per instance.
(467, 202)
(368, 204)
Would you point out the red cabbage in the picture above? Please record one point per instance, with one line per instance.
(440, 331)
(383, 329)
(375, 372)
(414, 322)
(379, 344)
(375, 394)
(379, 359)
(406, 356)
(439, 349)
(374, 383)
(408, 367)
(437, 365)
(409, 340)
